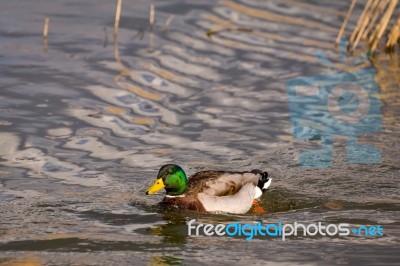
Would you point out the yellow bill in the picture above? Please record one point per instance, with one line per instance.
(157, 186)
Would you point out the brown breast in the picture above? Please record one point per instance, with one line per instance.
(188, 203)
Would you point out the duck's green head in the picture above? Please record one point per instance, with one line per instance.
(172, 178)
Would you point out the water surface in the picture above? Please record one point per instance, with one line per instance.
(86, 123)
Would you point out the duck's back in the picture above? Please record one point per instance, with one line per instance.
(221, 183)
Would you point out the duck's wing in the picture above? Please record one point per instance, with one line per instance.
(231, 192)
(220, 183)
(240, 202)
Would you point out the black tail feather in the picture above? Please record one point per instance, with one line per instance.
(263, 179)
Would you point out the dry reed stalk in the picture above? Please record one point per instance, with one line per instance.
(376, 14)
(353, 3)
(46, 34)
(361, 24)
(117, 17)
(151, 18)
(116, 27)
(380, 29)
(372, 25)
(394, 35)
(46, 27)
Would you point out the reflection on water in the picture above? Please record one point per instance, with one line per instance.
(86, 126)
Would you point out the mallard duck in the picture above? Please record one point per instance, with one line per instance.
(210, 191)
